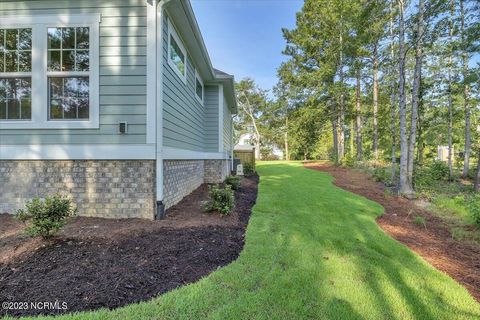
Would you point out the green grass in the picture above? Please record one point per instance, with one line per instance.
(313, 251)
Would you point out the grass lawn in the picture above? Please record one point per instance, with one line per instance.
(312, 251)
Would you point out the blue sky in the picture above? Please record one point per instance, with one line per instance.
(244, 37)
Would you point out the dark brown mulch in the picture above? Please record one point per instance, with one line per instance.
(459, 259)
(101, 263)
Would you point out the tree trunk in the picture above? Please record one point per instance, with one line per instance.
(450, 93)
(358, 111)
(416, 91)
(476, 185)
(404, 188)
(341, 122)
(375, 101)
(466, 89)
(287, 155)
(335, 131)
(393, 118)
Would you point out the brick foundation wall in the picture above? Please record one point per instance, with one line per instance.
(109, 189)
(216, 170)
(180, 178)
(105, 188)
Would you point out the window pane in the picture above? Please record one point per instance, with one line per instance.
(2, 39)
(54, 38)
(199, 89)
(15, 98)
(25, 39)
(177, 56)
(54, 60)
(11, 39)
(25, 61)
(68, 38)
(83, 60)
(83, 39)
(69, 97)
(68, 60)
(11, 61)
(56, 110)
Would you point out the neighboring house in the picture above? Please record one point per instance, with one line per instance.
(115, 103)
(245, 143)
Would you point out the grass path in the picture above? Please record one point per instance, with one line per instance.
(312, 251)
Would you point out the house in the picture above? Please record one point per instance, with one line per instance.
(115, 103)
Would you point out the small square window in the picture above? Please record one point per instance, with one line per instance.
(198, 88)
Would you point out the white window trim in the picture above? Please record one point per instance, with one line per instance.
(197, 77)
(172, 32)
(40, 107)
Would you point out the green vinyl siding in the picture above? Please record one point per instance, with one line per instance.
(211, 120)
(122, 71)
(227, 127)
(184, 118)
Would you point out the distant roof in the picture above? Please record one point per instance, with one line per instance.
(243, 147)
(221, 73)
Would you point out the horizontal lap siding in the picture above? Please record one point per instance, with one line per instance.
(211, 122)
(122, 71)
(227, 127)
(183, 115)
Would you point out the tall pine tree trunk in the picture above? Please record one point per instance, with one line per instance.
(416, 91)
(375, 101)
(335, 130)
(287, 154)
(466, 107)
(404, 188)
(393, 118)
(476, 185)
(341, 122)
(358, 111)
(450, 93)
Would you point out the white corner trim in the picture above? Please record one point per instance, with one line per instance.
(170, 153)
(220, 118)
(78, 152)
(158, 115)
(151, 70)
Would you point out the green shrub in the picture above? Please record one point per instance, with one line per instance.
(233, 181)
(419, 220)
(381, 175)
(248, 168)
(349, 161)
(432, 174)
(221, 200)
(473, 205)
(46, 217)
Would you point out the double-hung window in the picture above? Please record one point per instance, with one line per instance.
(177, 55)
(49, 71)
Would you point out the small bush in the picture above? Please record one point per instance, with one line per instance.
(47, 216)
(221, 200)
(349, 161)
(233, 181)
(473, 205)
(248, 168)
(419, 220)
(380, 174)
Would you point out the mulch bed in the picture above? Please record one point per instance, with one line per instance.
(103, 263)
(459, 259)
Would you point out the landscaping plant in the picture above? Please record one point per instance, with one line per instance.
(233, 181)
(248, 168)
(221, 199)
(473, 205)
(46, 217)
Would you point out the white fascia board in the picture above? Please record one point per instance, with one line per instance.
(78, 152)
(170, 153)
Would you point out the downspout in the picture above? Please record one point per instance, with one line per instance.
(231, 144)
(155, 91)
